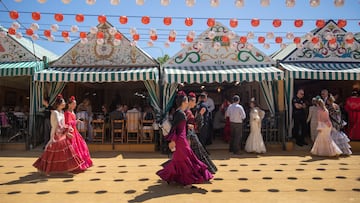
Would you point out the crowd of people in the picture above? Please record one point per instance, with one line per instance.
(328, 129)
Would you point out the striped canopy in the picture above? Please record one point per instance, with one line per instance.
(91, 74)
(323, 71)
(229, 73)
(8, 69)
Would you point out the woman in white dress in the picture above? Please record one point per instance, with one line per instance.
(313, 119)
(255, 142)
(324, 145)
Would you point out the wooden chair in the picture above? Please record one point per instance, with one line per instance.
(147, 129)
(98, 131)
(133, 126)
(117, 130)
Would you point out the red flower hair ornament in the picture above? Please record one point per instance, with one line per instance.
(192, 94)
(71, 99)
(181, 93)
(59, 96)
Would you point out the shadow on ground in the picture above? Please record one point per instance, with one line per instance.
(34, 178)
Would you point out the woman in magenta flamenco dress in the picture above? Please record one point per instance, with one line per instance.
(184, 167)
(78, 142)
(59, 155)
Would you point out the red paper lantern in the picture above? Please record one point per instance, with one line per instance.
(243, 39)
(297, 40)
(83, 35)
(29, 32)
(233, 23)
(225, 38)
(100, 35)
(211, 22)
(315, 40)
(102, 19)
(36, 16)
(11, 31)
(189, 22)
(255, 22)
(189, 39)
(332, 41)
(298, 23)
(118, 36)
(79, 18)
(172, 39)
(167, 21)
(261, 39)
(320, 23)
(145, 20)
(14, 15)
(341, 23)
(47, 33)
(278, 40)
(59, 17)
(276, 23)
(153, 37)
(123, 19)
(136, 37)
(65, 34)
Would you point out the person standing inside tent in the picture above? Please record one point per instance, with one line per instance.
(204, 129)
(84, 109)
(255, 142)
(313, 119)
(47, 125)
(352, 107)
(299, 116)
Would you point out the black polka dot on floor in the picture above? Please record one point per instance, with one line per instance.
(324, 164)
(321, 169)
(142, 165)
(72, 192)
(43, 192)
(340, 177)
(216, 190)
(243, 179)
(95, 179)
(130, 191)
(143, 179)
(18, 166)
(101, 166)
(245, 190)
(343, 169)
(14, 192)
(278, 170)
(329, 189)
(10, 172)
(1, 166)
(356, 189)
(300, 169)
(292, 178)
(317, 178)
(267, 178)
(256, 170)
(118, 180)
(303, 164)
(343, 164)
(218, 179)
(68, 180)
(283, 164)
(122, 171)
(122, 166)
(243, 165)
(262, 164)
(101, 192)
(100, 171)
(233, 170)
(273, 190)
(223, 165)
(301, 190)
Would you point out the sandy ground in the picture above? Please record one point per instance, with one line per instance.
(130, 177)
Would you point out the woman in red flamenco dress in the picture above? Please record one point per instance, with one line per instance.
(78, 142)
(59, 155)
(352, 107)
(226, 133)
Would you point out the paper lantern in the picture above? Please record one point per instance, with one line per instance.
(133, 43)
(314, 3)
(298, 23)
(34, 26)
(239, 3)
(140, 2)
(82, 35)
(264, 3)
(231, 34)
(18, 1)
(94, 30)
(59, 17)
(91, 2)
(290, 35)
(2, 34)
(290, 3)
(172, 33)
(225, 38)
(112, 31)
(189, 22)
(167, 44)
(211, 35)
(35, 37)
(100, 41)
(250, 35)
(217, 45)
(136, 37)
(123, 19)
(341, 23)
(51, 38)
(18, 35)
(233, 22)
(164, 2)
(266, 46)
(65, 34)
(309, 36)
(234, 45)
(100, 35)
(315, 40)
(214, 3)
(249, 46)
(243, 39)
(14, 15)
(117, 42)
(79, 18)
(297, 40)
(84, 40)
(29, 31)
(270, 35)
(145, 20)
(47, 33)
(183, 44)
(114, 2)
(150, 43)
(167, 21)
(349, 35)
(283, 46)
(42, 1)
(199, 45)
(189, 39)
(102, 19)
(74, 28)
(54, 27)
(261, 39)
(211, 22)
(255, 22)
(172, 39)
(278, 40)
(276, 23)
(152, 31)
(339, 3)
(118, 36)
(132, 31)
(153, 37)
(15, 25)
(192, 34)
(299, 46)
(36, 16)
(190, 3)
(66, 1)
(320, 23)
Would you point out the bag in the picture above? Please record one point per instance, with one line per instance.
(165, 126)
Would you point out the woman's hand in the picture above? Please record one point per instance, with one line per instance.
(202, 111)
(51, 141)
(191, 126)
(172, 146)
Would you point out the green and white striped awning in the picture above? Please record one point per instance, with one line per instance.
(10, 69)
(323, 71)
(91, 74)
(230, 73)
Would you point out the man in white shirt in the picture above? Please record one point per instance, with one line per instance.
(236, 115)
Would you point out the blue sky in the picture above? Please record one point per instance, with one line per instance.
(179, 11)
